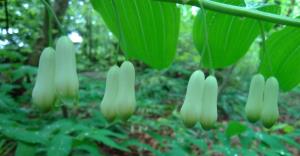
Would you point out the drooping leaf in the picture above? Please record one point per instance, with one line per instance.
(229, 37)
(147, 30)
(282, 56)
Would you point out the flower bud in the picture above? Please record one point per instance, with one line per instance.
(270, 112)
(190, 110)
(126, 103)
(255, 98)
(108, 105)
(66, 79)
(209, 114)
(43, 94)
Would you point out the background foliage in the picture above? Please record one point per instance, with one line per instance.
(155, 129)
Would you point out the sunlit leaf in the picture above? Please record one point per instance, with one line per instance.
(228, 37)
(147, 30)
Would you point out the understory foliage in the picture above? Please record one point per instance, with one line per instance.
(156, 127)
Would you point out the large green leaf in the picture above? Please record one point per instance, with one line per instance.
(147, 30)
(282, 57)
(229, 37)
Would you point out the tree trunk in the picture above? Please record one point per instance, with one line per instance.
(60, 7)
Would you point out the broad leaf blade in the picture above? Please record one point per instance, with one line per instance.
(229, 37)
(282, 56)
(147, 30)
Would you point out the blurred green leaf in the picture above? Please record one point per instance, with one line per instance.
(235, 128)
(283, 126)
(289, 141)
(23, 71)
(60, 145)
(103, 137)
(201, 144)
(273, 142)
(23, 135)
(139, 144)
(289, 129)
(11, 55)
(176, 150)
(111, 133)
(89, 147)
(24, 149)
(223, 150)
(58, 126)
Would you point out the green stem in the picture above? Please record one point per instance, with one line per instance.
(263, 46)
(50, 39)
(240, 11)
(54, 15)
